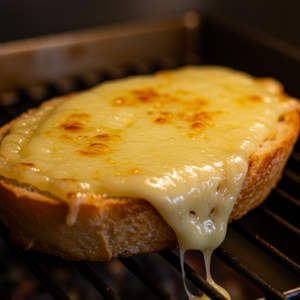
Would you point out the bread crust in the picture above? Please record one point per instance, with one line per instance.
(126, 226)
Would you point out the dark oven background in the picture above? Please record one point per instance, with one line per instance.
(22, 19)
(262, 250)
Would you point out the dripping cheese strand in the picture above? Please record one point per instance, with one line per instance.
(207, 259)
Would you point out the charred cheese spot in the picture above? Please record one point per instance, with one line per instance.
(69, 179)
(195, 104)
(196, 121)
(167, 115)
(49, 133)
(79, 116)
(160, 121)
(198, 126)
(91, 146)
(106, 137)
(66, 138)
(255, 98)
(93, 150)
(200, 102)
(161, 100)
(28, 165)
(74, 122)
(136, 97)
(203, 116)
(98, 147)
(249, 100)
(103, 137)
(145, 96)
(72, 127)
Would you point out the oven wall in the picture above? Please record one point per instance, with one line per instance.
(28, 18)
(22, 19)
(279, 18)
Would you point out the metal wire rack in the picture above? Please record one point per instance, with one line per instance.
(282, 245)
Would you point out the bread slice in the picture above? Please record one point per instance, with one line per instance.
(125, 226)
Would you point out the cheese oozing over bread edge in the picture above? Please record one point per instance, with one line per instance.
(179, 139)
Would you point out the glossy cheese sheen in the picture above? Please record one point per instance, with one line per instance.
(179, 139)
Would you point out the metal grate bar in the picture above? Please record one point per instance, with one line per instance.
(296, 155)
(240, 268)
(38, 271)
(95, 280)
(293, 294)
(277, 219)
(288, 197)
(192, 275)
(290, 294)
(143, 276)
(267, 248)
(290, 174)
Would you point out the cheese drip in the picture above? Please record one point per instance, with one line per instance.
(207, 257)
(179, 139)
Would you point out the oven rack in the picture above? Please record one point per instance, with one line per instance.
(232, 39)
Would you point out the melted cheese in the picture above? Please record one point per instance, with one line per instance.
(179, 139)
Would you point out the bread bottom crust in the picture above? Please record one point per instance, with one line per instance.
(125, 226)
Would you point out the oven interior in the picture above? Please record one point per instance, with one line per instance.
(259, 258)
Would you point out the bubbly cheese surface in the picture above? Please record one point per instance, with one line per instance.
(179, 139)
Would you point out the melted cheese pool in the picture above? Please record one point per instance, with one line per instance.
(179, 139)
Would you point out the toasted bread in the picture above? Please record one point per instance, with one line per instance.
(124, 226)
